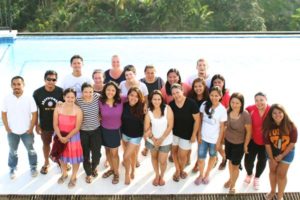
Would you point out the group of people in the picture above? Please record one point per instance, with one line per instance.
(117, 109)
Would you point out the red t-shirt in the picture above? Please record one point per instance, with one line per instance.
(257, 122)
(225, 99)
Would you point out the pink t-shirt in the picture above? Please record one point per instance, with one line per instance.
(168, 98)
(257, 122)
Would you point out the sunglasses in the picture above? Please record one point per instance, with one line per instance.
(51, 79)
(211, 113)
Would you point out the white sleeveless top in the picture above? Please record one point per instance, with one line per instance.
(158, 126)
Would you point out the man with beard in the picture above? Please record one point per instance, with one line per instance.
(19, 115)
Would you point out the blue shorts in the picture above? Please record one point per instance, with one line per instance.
(131, 140)
(289, 157)
(204, 147)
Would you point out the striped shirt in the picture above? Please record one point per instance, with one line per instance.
(90, 112)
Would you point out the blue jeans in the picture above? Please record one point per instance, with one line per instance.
(13, 142)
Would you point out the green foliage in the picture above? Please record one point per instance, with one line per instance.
(153, 15)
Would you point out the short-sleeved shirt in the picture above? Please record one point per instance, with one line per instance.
(124, 89)
(236, 132)
(132, 126)
(225, 99)
(257, 122)
(156, 85)
(111, 115)
(183, 118)
(74, 82)
(90, 112)
(109, 78)
(280, 141)
(191, 79)
(46, 102)
(168, 98)
(210, 129)
(19, 112)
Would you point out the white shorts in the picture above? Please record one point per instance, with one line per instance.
(182, 143)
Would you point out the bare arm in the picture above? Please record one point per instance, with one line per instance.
(221, 136)
(147, 127)
(5, 122)
(286, 151)
(32, 123)
(248, 128)
(200, 128)
(196, 127)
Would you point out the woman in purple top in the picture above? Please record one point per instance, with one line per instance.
(111, 108)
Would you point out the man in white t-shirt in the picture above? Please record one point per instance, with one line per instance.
(76, 79)
(19, 113)
(202, 68)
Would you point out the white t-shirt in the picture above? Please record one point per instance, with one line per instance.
(158, 126)
(74, 82)
(19, 112)
(211, 124)
(193, 77)
(142, 87)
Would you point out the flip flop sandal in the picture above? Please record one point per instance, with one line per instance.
(198, 181)
(94, 173)
(232, 191)
(72, 183)
(62, 179)
(108, 174)
(88, 179)
(176, 178)
(269, 196)
(116, 179)
(183, 175)
(44, 169)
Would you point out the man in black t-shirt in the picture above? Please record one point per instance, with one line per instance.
(46, 98)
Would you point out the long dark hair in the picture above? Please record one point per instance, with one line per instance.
(208, 103)
(138, 109)
(168, 85)
(219, 76)
(117, 98)
(205, 94)
(162, 105)
(240, 97)
(285, 126)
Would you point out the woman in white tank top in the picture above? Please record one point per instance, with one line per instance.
(158, 134)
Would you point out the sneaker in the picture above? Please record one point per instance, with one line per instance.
(12, 173)
(248, 179)
(34, 172)
(256, 183)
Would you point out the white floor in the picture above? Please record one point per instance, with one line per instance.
(142, 184)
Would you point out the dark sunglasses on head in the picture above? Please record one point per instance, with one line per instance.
(51, 79)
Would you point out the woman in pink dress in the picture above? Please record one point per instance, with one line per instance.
(67, 120)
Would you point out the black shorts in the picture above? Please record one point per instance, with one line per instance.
(111, 138)
(234, 152)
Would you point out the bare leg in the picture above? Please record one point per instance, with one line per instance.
(281, 174)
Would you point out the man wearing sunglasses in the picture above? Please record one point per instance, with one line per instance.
(46, 98)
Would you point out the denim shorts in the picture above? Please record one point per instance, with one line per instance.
(289, 157)
(204, 147)
(131, 140)
(164, 149)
